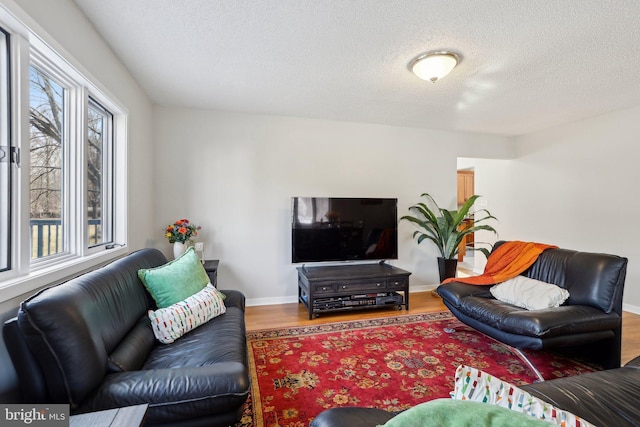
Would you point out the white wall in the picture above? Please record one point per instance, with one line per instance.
(235, 174)
(574, 186)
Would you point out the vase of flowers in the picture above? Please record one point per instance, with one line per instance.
(181, 233)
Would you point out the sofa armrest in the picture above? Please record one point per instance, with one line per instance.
(603, 398)
(234, 298)
(352, 417)
(454, 292)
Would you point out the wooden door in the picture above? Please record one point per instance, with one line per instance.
(465, 186)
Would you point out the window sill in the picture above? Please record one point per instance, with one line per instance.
(28, 284)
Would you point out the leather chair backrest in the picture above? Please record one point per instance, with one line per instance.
(592, 279)
(71, 328)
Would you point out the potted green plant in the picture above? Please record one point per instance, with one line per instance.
(446, 229)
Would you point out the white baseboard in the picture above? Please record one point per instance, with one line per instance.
(271, 301)
(631, 308)
(423, 288)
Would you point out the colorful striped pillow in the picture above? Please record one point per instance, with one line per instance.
(172, 322)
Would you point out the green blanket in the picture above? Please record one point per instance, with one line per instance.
(461, 413)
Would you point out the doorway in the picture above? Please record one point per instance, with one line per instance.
(466, 189)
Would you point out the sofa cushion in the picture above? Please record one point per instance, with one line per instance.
(177, 397)
(539, 323)
(175, 280)
(172, 322)
(132, 351)
(196, 348)
(529, 293)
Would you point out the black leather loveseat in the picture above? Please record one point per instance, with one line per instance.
(65, 339)
(590, 320)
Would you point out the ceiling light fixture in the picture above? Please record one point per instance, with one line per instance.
(434, 65)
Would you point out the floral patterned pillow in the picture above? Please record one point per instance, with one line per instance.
(475, 385)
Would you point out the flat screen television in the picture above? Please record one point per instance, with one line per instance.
(343, 229)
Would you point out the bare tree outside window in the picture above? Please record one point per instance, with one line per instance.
(46, 119)
(98, 143)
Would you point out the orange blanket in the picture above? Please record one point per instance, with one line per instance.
(510, 259)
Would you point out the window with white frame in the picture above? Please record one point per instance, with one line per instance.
(67, 203)
(5, 155)
(99, 174)
(48, 204)
(71, 164)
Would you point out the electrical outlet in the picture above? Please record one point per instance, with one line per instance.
(199, 246)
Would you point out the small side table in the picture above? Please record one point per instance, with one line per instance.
(129, 416)
(211, 267)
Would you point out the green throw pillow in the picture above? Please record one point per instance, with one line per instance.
(461, 413)
(176, 280)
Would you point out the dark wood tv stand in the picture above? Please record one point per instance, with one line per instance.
(352, 287)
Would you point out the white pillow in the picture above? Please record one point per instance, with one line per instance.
(172, 322)
(478, 386)
(529, 293)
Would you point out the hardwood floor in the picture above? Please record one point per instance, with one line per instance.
(287, 315)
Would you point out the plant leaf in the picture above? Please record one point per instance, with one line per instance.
(444, 227)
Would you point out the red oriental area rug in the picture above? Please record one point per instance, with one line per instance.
(388, 363)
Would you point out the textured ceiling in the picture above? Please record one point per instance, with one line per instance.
(526, 66)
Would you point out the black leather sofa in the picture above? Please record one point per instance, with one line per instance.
(590, 321)
(87, 342)
(604, 398)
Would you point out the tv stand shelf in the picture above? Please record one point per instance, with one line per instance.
(352, 287)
